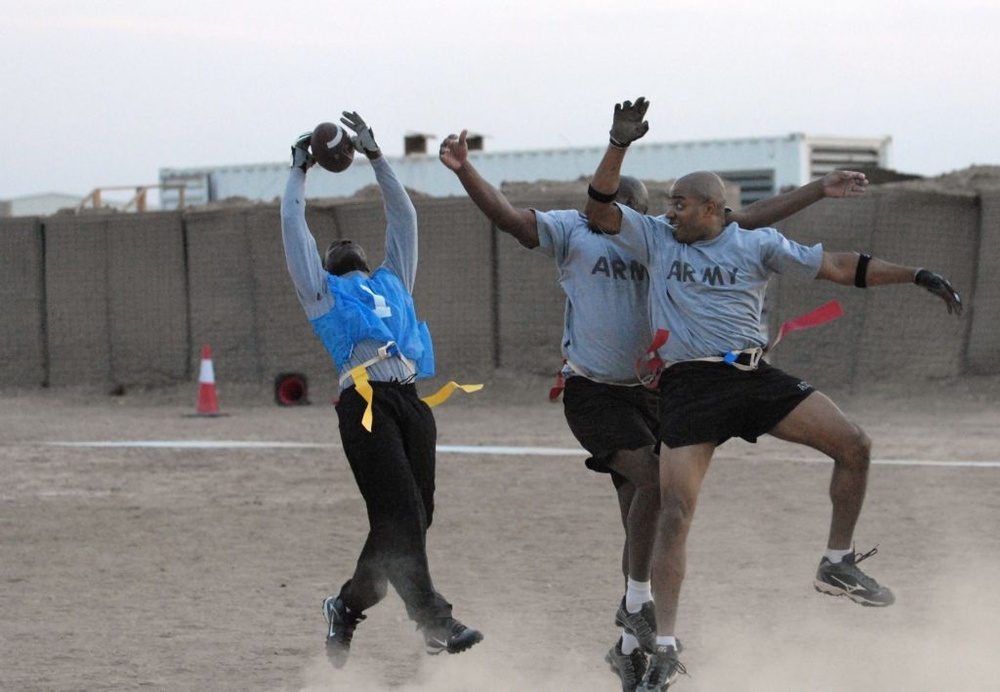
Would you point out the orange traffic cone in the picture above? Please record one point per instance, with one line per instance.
(208, 404)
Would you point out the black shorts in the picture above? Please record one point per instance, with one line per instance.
(711, 402)
(607, 418)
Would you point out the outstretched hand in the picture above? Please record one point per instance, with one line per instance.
(364, 138)
(454, 151)
(939, 286)
(844, 184)
(301, 156)
(628, 124)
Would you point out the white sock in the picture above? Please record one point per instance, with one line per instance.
(836, 556)
(637, 593)
(629, 643)
(666, 641)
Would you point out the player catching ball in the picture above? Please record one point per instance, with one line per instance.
(366, 320)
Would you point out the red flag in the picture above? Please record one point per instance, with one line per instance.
(820, 315)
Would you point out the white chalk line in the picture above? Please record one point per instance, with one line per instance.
(464, 449)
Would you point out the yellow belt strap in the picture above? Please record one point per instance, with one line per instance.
(364, 388)
(441, 395)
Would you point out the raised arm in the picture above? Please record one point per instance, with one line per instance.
(400, 214)
(520, 223)
(627, 125)
(852, 269)
(767, 212)
(301, 253)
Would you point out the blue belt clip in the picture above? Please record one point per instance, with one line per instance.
(730, 357)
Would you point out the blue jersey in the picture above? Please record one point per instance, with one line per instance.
(376, 308)
(387, 292)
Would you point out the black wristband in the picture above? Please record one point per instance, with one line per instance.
(619, 145)
(600, 196)
(861, 274)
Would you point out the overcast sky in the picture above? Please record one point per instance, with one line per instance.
(100, 93)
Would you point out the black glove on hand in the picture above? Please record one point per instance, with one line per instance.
(939, 286)
(364, 139)
(628, 124)
(301, 158)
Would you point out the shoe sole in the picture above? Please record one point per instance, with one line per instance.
(831, 590)
(659, 688)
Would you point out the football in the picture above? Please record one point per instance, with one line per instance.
(332, 147)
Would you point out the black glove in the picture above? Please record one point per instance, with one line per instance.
(628, 124)
(301, 157)
(364, 138)
(939, 286)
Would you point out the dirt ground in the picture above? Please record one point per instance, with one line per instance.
(202, 568)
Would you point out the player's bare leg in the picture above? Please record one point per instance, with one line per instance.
(682, 471)
(639, 467)
(820, 424)
(625, 491)
(635, 614)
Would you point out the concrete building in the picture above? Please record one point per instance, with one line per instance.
(42, 204)
(760, 166)
(118, 198)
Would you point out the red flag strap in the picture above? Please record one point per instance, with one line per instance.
(649, 365)
(558, 387)
(821, 315)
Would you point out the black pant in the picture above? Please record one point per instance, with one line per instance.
(393, 466)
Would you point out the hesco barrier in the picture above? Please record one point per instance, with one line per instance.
(130, 299)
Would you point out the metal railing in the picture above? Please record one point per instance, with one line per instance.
(138, 200)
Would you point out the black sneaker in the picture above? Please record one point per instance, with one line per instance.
(628, 667)
(845, 579)
(664, 667)
(641, 625)
(448, 634)
(342, 623)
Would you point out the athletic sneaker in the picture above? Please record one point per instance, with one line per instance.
(845, 579)
(448, 634)
(342, 623)
(664, 667)
(641, 625)
(628, 667)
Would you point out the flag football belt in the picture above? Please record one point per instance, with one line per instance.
(649, 365)
(560, 384)
(362, 384)
(746, 360)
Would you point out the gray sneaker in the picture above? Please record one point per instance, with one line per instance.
(641, 625)
(448, 634)
(845, 579)
(664, 667)
(628, 667)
